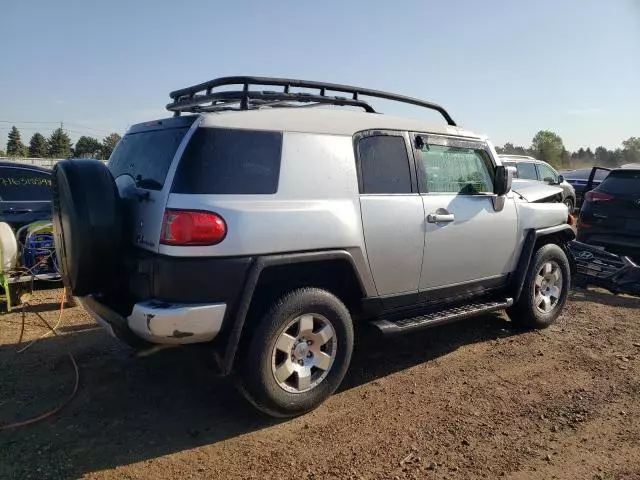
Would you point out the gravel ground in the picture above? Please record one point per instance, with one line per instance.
(476, 399)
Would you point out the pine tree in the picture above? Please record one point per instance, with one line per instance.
(59, 144)
(38, 146)
(15, 147)
(108, 144)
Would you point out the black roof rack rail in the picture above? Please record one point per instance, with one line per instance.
(202, 98)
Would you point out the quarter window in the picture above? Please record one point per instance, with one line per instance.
(453, 169)
(384, 164)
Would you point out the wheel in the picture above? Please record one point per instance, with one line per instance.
(545, 289)
(298, 354)
(86, 223)
(570, 204)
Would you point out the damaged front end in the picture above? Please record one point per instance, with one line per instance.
(600, 268)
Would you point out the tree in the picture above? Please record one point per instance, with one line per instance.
(108, 144)
(2, 154)
(87, 147)
(59, 144)
(15, 147)
(548, 146)
(630, 150)
(38, 146)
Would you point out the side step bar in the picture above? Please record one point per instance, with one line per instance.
(388, 327)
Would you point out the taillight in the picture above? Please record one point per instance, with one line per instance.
(595, 196)
(190, 228)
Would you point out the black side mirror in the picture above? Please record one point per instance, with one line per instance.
(560, 179)
(503, 178)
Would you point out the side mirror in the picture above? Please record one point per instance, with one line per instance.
(503, 179)
(560, 179)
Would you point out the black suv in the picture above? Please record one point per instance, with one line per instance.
(610, 214)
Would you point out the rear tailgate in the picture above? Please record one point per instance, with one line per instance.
(141, 164)
(622, 211)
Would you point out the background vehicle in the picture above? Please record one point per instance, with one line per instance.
(610, 215)
(529, 168)
(265, 228)
(578, 179)
(25, 194)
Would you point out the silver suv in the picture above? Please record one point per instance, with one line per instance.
(529, 168)
(265, 229)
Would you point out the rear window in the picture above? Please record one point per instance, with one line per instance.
(622, 182)
(230, 161)
(24, 184)
(147, 156)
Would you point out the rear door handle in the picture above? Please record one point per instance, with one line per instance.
(440, 218)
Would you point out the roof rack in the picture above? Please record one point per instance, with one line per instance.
(202, 98)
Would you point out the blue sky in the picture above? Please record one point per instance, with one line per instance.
(501, 67)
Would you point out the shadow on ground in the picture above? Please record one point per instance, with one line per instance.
(604, 297)
(130, 409)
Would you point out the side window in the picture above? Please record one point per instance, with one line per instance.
(230, 161)
(453, 169)
(24, 184)
(546, 172)
(384, 164)
(527, 171)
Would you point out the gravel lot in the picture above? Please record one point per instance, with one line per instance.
(476, 399)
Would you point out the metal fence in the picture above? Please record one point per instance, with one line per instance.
(40, 162)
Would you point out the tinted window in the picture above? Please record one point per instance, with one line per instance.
(24, 184)
(384, 164)
(622, 182)
(547, 172)
(527, 171)
(147, 156)
(456, 169)
(227, 161)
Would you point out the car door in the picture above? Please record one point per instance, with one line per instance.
(470, 237)
(392, 214)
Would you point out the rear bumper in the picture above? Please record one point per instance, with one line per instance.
(619, 244)
(160, 322)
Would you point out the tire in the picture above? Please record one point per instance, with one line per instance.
(569, 202)
(87, 222)
(264, 359)
(531, 309)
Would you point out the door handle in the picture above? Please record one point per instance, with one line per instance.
(440, 218)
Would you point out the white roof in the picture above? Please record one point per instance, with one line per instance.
(332, 121)
(631, 166)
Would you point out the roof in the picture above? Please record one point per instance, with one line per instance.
(521, 158)
(25, 165)
(332, 121)
(630, 166)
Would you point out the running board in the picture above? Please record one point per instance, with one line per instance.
(388, 327)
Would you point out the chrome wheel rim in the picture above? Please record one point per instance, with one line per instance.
(548, 286)
(303, 353)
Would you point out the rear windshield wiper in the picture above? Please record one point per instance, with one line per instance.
(149, 183)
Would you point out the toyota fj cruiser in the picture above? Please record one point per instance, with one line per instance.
(265, 229)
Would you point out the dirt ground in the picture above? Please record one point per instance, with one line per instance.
(476, 399)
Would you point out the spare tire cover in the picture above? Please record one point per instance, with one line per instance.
(87, 222)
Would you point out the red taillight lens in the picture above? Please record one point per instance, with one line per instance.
(190, 228)
(595, 196)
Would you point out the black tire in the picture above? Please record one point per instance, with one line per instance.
(87, 222)
(571, 204)
(525, 311)
(256, 378)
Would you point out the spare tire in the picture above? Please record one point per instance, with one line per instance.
(87, 223)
